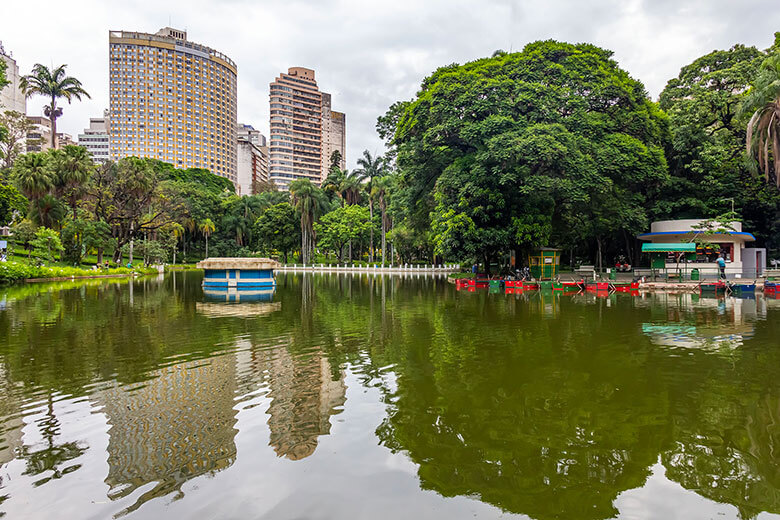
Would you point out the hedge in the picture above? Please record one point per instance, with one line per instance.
(16, 272)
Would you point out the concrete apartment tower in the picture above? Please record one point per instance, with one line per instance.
(95, 138)
(11, 97)
(334, 135)
(296, 128)
(174, 100)
(252, 159)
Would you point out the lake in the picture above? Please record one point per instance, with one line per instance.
(353, 396)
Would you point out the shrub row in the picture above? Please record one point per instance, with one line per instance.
(15, 272)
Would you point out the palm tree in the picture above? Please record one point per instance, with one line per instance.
(380, 191)
(206, 227)
(371, 168)
(72, 168)
(351, 186)
(332, 183)
(308, 199)
(763, 102)
(33, 175)
(53, 84)
(177, 230)
(241, 215)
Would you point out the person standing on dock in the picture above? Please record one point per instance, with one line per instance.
(722, 266)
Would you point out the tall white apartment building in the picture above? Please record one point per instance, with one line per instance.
(11, 97)
(96, 139)
(252, 159)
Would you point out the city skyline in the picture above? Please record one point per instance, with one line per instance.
(369, 56)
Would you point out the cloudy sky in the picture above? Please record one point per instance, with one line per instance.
(368, 53)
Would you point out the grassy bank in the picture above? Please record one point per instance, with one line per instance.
(11, 272)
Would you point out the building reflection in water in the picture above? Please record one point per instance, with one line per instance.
(303, 395)
(11, 422)
(175, 426)
(688, 321)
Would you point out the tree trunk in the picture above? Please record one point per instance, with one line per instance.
(350, 251)
(629, 249)
(207, 246)
(99, 255)
(371, 230)
(384, 240)
(53, 119)
(131, 251)
(598, 244)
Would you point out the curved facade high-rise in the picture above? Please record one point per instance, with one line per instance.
(173, 100)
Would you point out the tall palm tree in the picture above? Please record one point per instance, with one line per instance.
(352, 186)
(763, 129)
(33, 175)
(380, 191)
(72, 169)
(52, 84)
(371, 168)
(308, 199)
(206, 228)
(332, 183)
(177, 230)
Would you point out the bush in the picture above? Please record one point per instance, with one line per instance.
(15, 272)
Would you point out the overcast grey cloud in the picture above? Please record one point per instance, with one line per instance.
(369, 54)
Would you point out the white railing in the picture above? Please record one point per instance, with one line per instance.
(373, 268)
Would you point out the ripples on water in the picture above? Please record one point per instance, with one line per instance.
(357, 397)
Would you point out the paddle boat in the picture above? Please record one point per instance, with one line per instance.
(716, 287)
(625, 286)
(597, 286)
(743, 287)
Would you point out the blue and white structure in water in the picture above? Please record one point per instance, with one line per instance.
(238, 279)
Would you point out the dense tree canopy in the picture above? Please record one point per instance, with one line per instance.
(507, 151)
(707, 163)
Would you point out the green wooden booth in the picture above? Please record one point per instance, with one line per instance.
(545, 263)
(659, 254)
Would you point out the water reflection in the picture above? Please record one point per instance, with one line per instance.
(546, 405)
(688, 321)
(175, 426)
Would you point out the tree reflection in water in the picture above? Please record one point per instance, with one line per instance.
(542, 405)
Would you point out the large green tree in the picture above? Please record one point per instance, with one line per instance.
(763, 103)
(11, 201)
(706, 154)
(277, 228)
(52, 84)
(130, 197)
(534, 138)
(342, 227)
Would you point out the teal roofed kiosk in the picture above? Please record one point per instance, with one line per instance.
(697, 244)
(238, 274)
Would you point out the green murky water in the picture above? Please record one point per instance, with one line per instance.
(357, 397)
